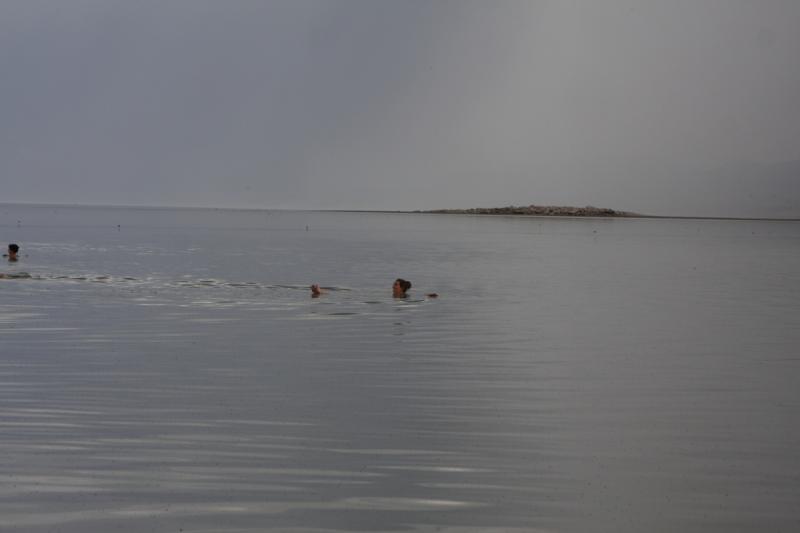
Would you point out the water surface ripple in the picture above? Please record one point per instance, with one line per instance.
(173, 373)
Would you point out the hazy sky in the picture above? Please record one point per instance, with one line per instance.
(663, 107)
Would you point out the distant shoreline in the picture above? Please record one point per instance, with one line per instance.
(540, 210)
(663, 217)
(464, 212)
(497, 211)
(581, 212)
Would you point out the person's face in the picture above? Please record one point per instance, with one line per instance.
(397, 289)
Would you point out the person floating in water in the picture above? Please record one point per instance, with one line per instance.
(13, 250)
(401, 286)
(12, 256)
(399, 289)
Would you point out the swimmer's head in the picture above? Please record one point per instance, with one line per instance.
(315, 291)
(400, 287)
(13, 249)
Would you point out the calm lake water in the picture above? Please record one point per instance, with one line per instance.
(167, 370)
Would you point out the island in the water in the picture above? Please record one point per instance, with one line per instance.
(538, 210)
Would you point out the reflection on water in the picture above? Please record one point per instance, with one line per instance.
(573, 375)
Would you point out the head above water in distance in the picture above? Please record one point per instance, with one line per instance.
(400, 287)
(13, 250)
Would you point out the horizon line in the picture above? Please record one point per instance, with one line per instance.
(395, 211)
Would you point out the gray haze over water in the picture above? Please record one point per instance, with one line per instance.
(682, 107)
(167, 370)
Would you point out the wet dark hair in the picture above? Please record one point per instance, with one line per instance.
(404, 284)
(13, 248)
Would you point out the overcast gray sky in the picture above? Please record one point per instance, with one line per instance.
(669, 107)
